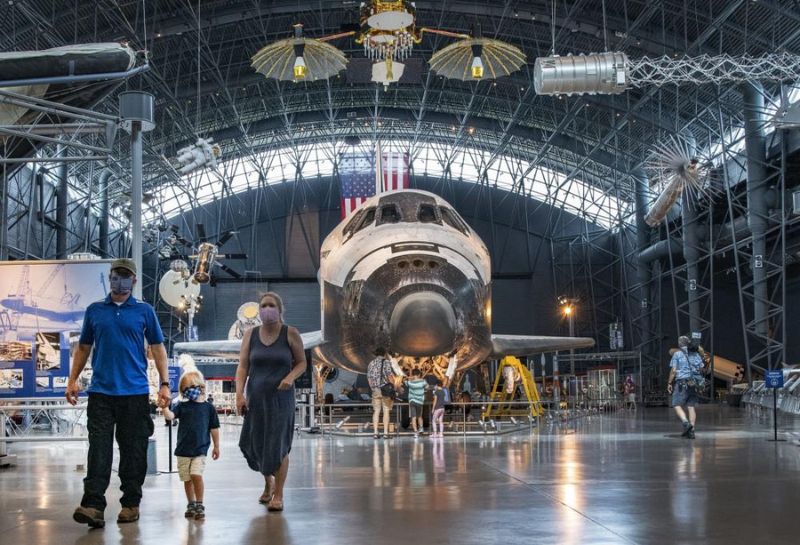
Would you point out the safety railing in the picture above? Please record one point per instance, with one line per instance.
(461, 418)
(24, 420)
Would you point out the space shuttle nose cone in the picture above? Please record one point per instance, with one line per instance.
(422, 324)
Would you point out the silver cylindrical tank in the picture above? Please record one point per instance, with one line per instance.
(598, 73)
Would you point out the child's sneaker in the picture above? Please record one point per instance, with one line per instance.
(199, 511)
(190, 510)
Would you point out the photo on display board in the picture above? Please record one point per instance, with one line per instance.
(60, 382)
(43, 382)
(11, 379)
(48, 351)
(15, 351)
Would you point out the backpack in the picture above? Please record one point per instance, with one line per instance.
(447, 399)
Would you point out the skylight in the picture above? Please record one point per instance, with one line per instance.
(309, 161)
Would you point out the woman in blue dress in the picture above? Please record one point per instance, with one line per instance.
(270, 360)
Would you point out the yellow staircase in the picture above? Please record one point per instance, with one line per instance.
(501, 399)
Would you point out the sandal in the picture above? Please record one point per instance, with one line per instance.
(266, 497)
(275, 505)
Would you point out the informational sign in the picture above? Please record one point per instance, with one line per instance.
(774, 378)
(42, 304)
(174, 377)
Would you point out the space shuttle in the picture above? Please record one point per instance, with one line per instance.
(404, 272)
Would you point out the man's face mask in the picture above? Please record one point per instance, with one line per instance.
(120, 285)
(269, 315)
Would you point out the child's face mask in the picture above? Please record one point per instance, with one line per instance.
(192, 393)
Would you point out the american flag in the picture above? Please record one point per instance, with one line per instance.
(395, 171)
(357, 172)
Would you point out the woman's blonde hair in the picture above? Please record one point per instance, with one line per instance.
(274, 296)
(192, 378)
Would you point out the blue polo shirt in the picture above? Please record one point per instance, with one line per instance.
(119, 363)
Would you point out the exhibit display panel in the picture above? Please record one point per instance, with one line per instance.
(42, 304)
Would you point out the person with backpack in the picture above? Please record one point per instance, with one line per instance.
(685, 382)
(381, 378)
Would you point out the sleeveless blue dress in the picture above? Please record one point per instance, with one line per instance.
(268, 426)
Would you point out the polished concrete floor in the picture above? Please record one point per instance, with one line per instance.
(609, 479)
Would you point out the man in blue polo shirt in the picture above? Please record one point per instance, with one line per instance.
(118, 395)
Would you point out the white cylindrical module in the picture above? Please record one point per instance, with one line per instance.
(598, 73)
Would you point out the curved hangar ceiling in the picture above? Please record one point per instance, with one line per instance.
(597, 140)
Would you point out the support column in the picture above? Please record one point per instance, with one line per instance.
(691, 253)
(757, 208)
(136, 111)
(62, 201)
(136, 203)
(643, 271)
(4, 184)
(104, 206)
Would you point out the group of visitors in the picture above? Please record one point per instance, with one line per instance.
(386, 386)
(270, 360)
(114, 332)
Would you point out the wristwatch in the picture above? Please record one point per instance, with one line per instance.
(165, 383)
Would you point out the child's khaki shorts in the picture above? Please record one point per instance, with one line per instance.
(190, 466)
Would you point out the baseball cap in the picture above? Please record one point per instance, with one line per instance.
(124, 263)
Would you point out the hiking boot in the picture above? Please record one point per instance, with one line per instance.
(89, 515)
(128, 514)
(190, 510)
(199, 511)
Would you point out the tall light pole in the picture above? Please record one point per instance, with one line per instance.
(568, 309)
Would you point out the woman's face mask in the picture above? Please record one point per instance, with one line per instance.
(120, 285)
(269, 315)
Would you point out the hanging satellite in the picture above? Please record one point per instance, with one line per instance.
(678, 169)
(177, 287)
(207, 255)
(387, 30)
(246, 317)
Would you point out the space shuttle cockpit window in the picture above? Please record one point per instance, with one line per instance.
(368, 219)
(390, 213)
(452, 219)
(427, 214)
(350, 228)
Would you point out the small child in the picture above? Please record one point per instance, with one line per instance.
(439, 401)
(416, 400)
(197, 418)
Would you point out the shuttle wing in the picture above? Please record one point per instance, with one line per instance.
(524, 345)
(230, 349)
